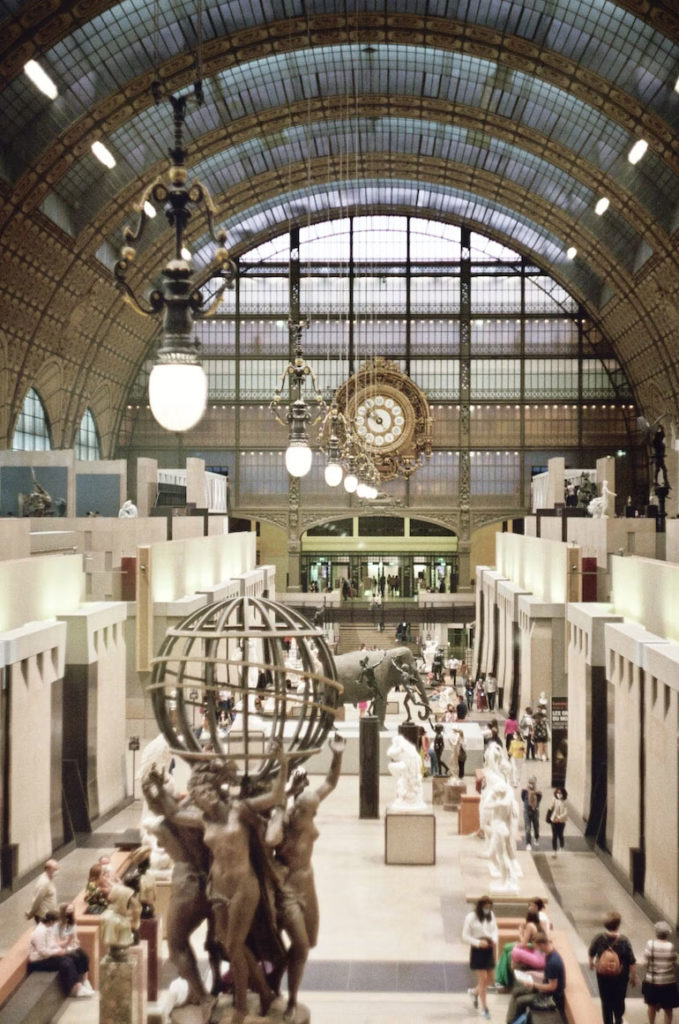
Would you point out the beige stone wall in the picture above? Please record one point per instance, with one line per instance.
(34, 662)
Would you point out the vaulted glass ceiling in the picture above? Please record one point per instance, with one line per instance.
(516, 115)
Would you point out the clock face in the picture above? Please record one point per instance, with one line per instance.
(390, 414)
(383, 418)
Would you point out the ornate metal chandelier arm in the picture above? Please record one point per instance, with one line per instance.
(119, 271)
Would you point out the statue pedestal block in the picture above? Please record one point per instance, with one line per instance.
(453, 792)
(151, 932)
(469, 820)
(122, 998)
(409, 838)
(438, 789)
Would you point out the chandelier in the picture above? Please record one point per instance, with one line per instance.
(296, 414)
(178, 387)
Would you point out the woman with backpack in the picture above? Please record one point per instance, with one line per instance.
(612, 957)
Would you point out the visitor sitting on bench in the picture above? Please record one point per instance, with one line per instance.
(50, 952)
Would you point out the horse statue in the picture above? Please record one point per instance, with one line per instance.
(357, 685)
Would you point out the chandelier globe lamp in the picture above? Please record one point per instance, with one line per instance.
(178, 386)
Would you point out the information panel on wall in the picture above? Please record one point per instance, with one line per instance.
(559, 740)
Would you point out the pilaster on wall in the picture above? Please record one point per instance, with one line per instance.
(33, 661)
(586, 677)
(94, 728)
(661, 778)
(543, 663)
(627, 645)
(508, 642)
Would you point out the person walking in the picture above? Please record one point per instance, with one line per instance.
(491, 690)
(481, 932)
(526, 729)
(557, 815)
(659, 987)
(511, 727)
(612, 956)
(531, 797)
(517, 753)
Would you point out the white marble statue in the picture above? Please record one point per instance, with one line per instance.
(504, 822)
(156, 754)
(496, 771)
(406, 767)
(128, 510)
(598, 508)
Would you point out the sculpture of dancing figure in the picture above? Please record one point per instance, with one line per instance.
(189, 902)
(598, 507)
(297, 897)
(501, 805)
(406, 767)
(658, 457)
(409, 678)
(233, 886)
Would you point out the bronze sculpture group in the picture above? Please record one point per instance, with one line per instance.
(243, 862)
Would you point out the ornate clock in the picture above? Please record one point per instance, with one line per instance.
(389, 415)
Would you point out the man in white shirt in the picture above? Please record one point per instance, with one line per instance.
(453, 665)
(45, 893)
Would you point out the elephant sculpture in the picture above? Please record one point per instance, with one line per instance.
(351, 673)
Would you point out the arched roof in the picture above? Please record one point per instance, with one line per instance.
(514, 117)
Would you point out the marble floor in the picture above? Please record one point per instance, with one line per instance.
(389, 948)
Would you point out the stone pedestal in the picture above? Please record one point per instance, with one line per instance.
(409, 838)
(151, 932)
(369, 766)
(438, 790)
(222, 1011)
(122, 997)
(453, 792)
(469, 821)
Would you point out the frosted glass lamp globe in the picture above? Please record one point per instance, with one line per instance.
(177, 394)
(298, 458)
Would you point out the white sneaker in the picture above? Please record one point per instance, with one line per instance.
(83, 993)
(87, 985)
(528, 846)
(536, 844)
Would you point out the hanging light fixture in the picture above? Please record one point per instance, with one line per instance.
(298, 455)
(333, 452)
(178, 387)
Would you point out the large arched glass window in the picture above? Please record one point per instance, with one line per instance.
(32, 431)
(87, 446)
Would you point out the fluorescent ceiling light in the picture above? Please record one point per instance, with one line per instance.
(186, 255)
(104, 155)
(637, 151)
(602, 205)
(41, 79)
(149, 209)
(571, 252)
(676, 85)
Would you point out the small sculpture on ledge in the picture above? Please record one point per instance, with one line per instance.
(116, 924)
(128, 510)
(598, 507)
(405, 766)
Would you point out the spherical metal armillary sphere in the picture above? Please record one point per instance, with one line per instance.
(226, 647)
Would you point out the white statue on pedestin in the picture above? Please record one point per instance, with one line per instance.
(406, 767)
(504, 818)
(599, 507)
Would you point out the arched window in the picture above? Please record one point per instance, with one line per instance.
(32, 431)
(87, 444)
